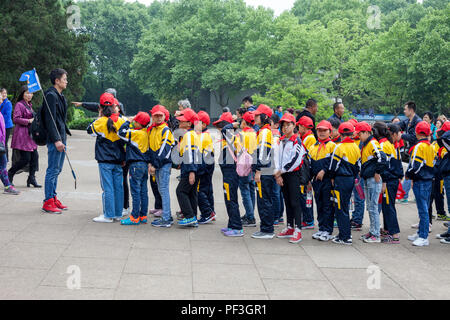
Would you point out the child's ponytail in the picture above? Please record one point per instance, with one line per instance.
(108, 112)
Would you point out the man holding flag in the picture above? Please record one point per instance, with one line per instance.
(54, 117)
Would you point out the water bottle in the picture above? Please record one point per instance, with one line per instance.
(309, 197)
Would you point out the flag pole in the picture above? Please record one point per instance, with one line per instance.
(56, 127)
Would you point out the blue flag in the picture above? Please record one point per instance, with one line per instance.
(32, 80)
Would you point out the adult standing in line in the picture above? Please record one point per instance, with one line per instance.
(57, 131)
(428, 117)
(409, 137)
(309, 111)
(21, 139)
(339, 110)
(279, 112)
(6, 110)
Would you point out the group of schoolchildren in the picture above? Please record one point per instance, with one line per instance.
(274, 162)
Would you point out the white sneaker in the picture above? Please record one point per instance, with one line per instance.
(126, 212)
(420, 242)
(102, 219)
(318, 234)
(430, 229)
(413, 237)
(415, 226)
(326, 236)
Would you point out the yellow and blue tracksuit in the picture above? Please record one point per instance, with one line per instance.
(320, 155)
(265, 187)
(205, 173)
(437, 194)
(308, 140)
(421, 171)
(110, 154)
(443, 161)
(137, 159)
(189, 153)
(247, 140)
(358, 213)
(344, 168)
(391, 176)
(373, 159)
(230, 177)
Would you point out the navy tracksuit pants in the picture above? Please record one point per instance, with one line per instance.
(437, 195)
(343, 188)
(308, 215)
(325, 211)
(230, 190)
(205, 194)
(388, 207)
(265, 203)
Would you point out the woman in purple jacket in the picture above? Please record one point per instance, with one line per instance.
(21, 140)
(9, 188)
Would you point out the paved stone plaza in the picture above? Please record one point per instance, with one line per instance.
(38, 252)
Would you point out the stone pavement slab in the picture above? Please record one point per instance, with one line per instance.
(38, 250)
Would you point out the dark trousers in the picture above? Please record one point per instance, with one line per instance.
(26, 158)
(343, 188)
(8, 134)
(206, 195)
(139, 188)
(291, 184)
(308, 215)
(437, 194)
(187, 196)
(265, 204)
(325, 212)
(156, 194)
(388, 207)
(126, 189)
(230, 191)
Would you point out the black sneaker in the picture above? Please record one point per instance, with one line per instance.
(347, 242)
(248, 222)
(356, 226)
(446, 240)
(446, 224)
(443, 235)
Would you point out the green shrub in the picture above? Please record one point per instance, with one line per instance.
(81, 123)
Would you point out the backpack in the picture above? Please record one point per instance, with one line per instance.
(244, 164)
(37, 129)
(305, 171)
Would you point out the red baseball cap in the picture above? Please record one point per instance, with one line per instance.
(167, 114)
(324, 124)
(306, 122)
(204, 117)
(353, 121)
(107, 99)
(263, 109)
(423, 128)
(226, 116)
(188, 115)
(143, 118)
(158, 109)
(346, 127)
(249, 117)
(445, 127)
(287, 117)
(362, 127)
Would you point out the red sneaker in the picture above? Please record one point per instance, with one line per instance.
(59, 205)
(297, 237)
(286, 233)
(50, 207)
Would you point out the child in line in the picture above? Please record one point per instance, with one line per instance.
(189, 153)
(288, 160)
(230, 177)
(205, 172)
(443, 140)
(110, 155)
(320, 154)
(305, 126)
(373, 166)
(247, 141)
(420, 171)
(161, 141)
(356, 221)
(387, 136)
(136, 138)
(277, 195)
(344, 168)
(9, 188)
(263, 169)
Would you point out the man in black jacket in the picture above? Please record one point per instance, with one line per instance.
(55, 117)
(310, 111)
(409, 125)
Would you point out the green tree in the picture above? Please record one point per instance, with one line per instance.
(35, 35)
